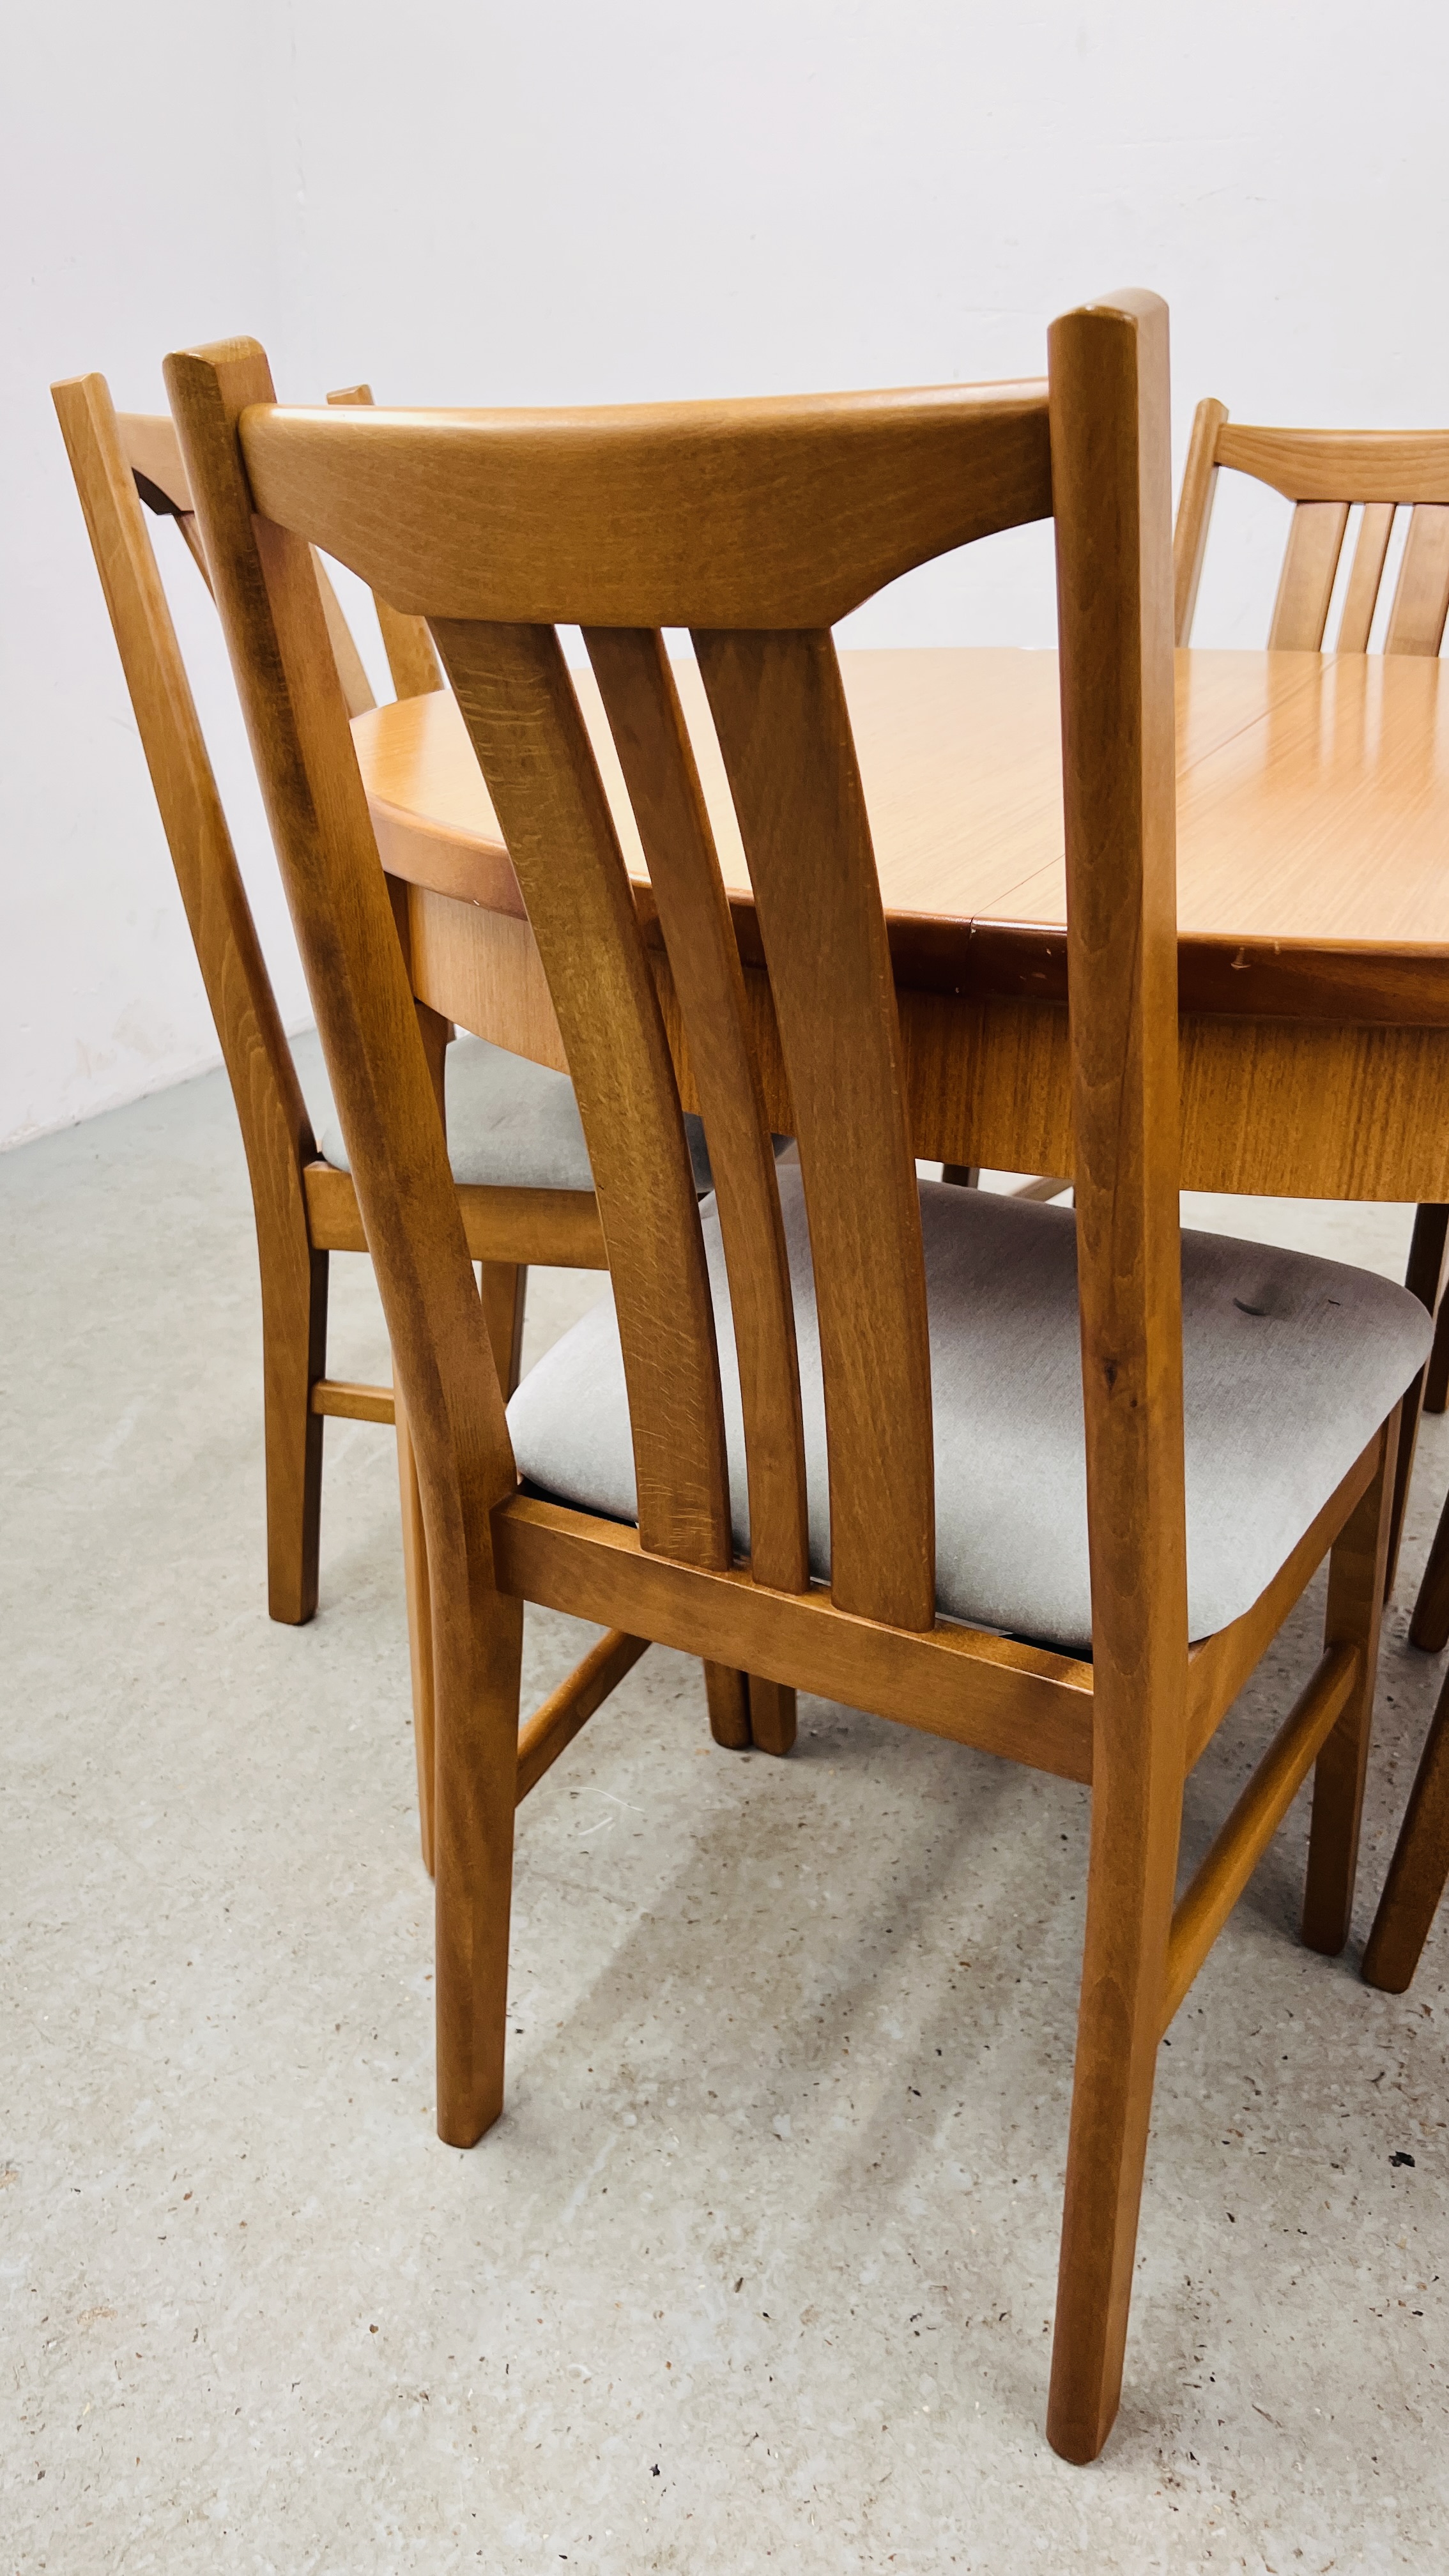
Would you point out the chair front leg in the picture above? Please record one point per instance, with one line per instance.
(1418, 1870)
(727, 1696)
(746, 1712)
(772, 1716)
(294, 1356)
(1355, 1605)
(1429, 1627)
(1136, 1823)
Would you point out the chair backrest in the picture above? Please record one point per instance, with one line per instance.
(1324, 473)
(756, 525)
(121, 460)
(117, 463)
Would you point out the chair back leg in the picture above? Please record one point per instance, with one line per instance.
(477, 1658)
(1429, 1627)
(1418, 1870)
(1436, 1381)
(1136, 1821)
(1423, 1279)
(420, 1624)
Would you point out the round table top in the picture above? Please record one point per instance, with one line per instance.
(1313, 821)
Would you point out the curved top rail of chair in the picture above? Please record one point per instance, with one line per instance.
(606, 516)
(1340, 464)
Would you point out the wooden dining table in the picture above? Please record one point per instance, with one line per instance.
(1313, 905)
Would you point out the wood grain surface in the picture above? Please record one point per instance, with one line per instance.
(784, 512)
(1313, 796)
(1313, 905)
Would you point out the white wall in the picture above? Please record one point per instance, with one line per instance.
(498, 202)
(135, 210)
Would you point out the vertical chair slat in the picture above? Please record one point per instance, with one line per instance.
(1305, 586)
(779, 710)
(519, 706)
(652, 740)
(356, 686)
(1361, 597)
(405, 640)
(1421, 596)
(186, 529)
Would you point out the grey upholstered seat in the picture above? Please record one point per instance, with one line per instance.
(512, 1124)
(1290, 1365)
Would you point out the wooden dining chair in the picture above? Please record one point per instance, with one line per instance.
(920, 1449)
(524, 1186)
(1326, 474)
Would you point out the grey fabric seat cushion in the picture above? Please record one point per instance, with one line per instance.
(512, 1124)
(1290, 1364)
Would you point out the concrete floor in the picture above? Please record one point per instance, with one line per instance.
(789, 2068)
